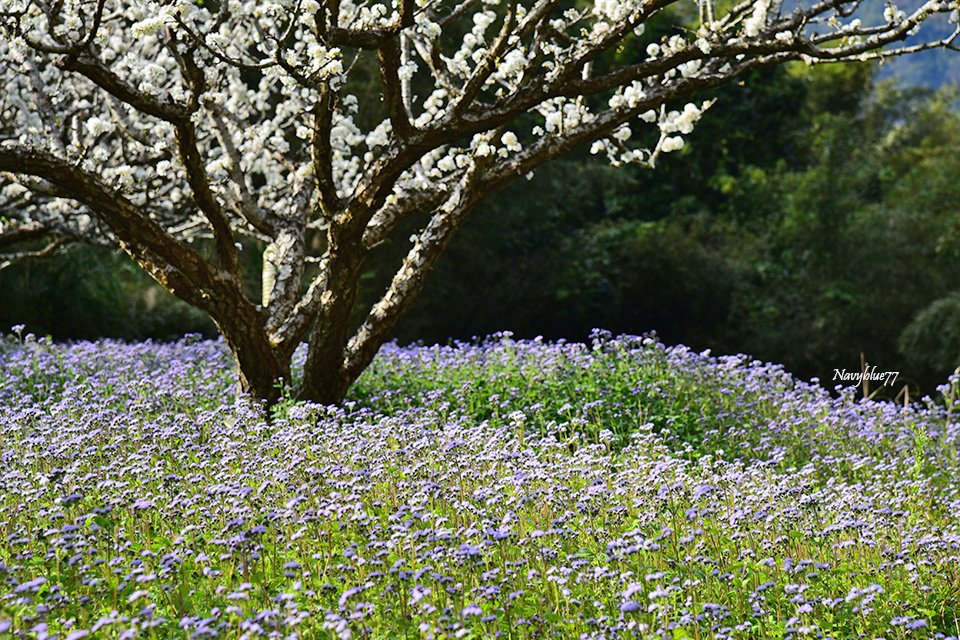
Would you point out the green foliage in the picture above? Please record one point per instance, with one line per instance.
(854, 254)
(933, 338)
(605, 388)
(810, 218)
(672, 275)
(90, 292)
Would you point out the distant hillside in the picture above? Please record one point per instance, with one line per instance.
(936, 68)
(927, 69)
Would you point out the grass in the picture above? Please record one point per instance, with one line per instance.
(507, 488)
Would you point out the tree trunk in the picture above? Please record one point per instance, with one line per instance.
(262, 373)
(328, 386)
(262, 379)
(325, 376)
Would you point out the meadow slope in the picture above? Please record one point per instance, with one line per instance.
(511, 489)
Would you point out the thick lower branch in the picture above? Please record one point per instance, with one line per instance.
(411, 277)
(283, 262)
(389, 56)
(127, 221)
(322, 153)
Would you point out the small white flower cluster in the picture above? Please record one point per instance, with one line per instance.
(629, 96)
(615, 148)
(757, 21)
(472, 48)
(682, 121)
(327, 62)
(481, 146)
(345, 137)
(609, 14)
(373, 16)
(512, 67)
(122, 177)
(430, 29)
(148, 26)
(672, 125)
(69, 27)
(407, 71)
(380, 136)
(562, 115)
(484, 147)
(452, 161)
(157, 17)
(15, 190)
(678, 122)
(671, 143)
(97, 126)
(510, 141)
(614, 10)
(432, 108)
(893, 14)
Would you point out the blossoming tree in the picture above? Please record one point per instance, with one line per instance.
(152, 124)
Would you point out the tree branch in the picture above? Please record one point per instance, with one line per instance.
(15, 233)
(286, 255)
(197, 178)
(322, 153)
(294, 327)
(199, 182)
(423, 200)
(388, 53)
(51, 248)
(144, 239)
(246, 206)
(411, 277)
(490, 61)
(110, 82)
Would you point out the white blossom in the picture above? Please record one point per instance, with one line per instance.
(757, 20)
(509, 139)
(673, 143)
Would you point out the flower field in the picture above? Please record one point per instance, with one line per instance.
(513, 489)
